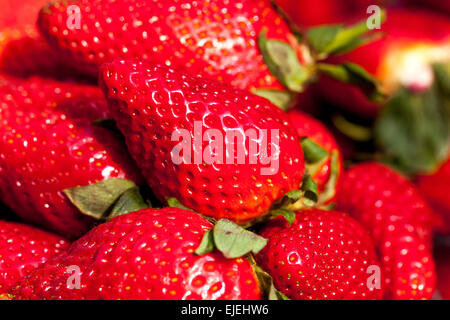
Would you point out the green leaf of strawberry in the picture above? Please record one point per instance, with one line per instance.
(97, 200)
(289, 215)
(283, 62)
(354, 74)
(413, 129)
(230, 239)
(312, 151)
(130, 201)
(338, 39)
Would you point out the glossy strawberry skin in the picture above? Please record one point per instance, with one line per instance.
(435, 188)
(144, 255)
(322, 255)
(400, 222)
(22, 249)
(150, 103)
(308, 126)
(387, 58)
(23, 51)
(48, 144)
(213, 38)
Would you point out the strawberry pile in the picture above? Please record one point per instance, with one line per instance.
(224, 150)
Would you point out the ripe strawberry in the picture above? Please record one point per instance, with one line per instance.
(400, 222)
(322, 255)
(48, 144)
(327, 171)
(402, 58)
(213, 38)
(147, 254)
(23, 51)
(152, 103)
(22, 249)
(435, 188)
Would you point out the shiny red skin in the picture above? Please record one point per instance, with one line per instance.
(147, 254)
(214, 38)
(23, 249)
(48, 143)
(400, 222)
(308, 126)
(323, 255)
(442, 255)
(150, 103)
(429, 28)
(23, 51)
(435, 187)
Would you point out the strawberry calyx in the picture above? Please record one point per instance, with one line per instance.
(231, 240)
(106, 199)
(318, 44)
(413, 128)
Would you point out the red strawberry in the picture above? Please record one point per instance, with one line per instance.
(402, 58)
(151, 103)
(436, 189)
(327, 171)
(22, 249)
(400, 222)
(147, 254)
(23, 52)
(213, 38)
(48, 144)
(322, 255)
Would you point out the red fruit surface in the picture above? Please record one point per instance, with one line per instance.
(308, 126)
(435, 188)
(400, 223)
(147, 254)
(23, 52)
(47, 144)
(323, 255)
(214, 38)
(22, 249)
(413, 41)
(151, 103)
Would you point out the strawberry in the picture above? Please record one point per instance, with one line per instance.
(325, 170)
(213, 38)
(22, 249)
(402, 58)
(48, 144)
(153, 104)
(23, 51)
(322, 255)
(435, 188)
(148, 254)
(400, 223)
